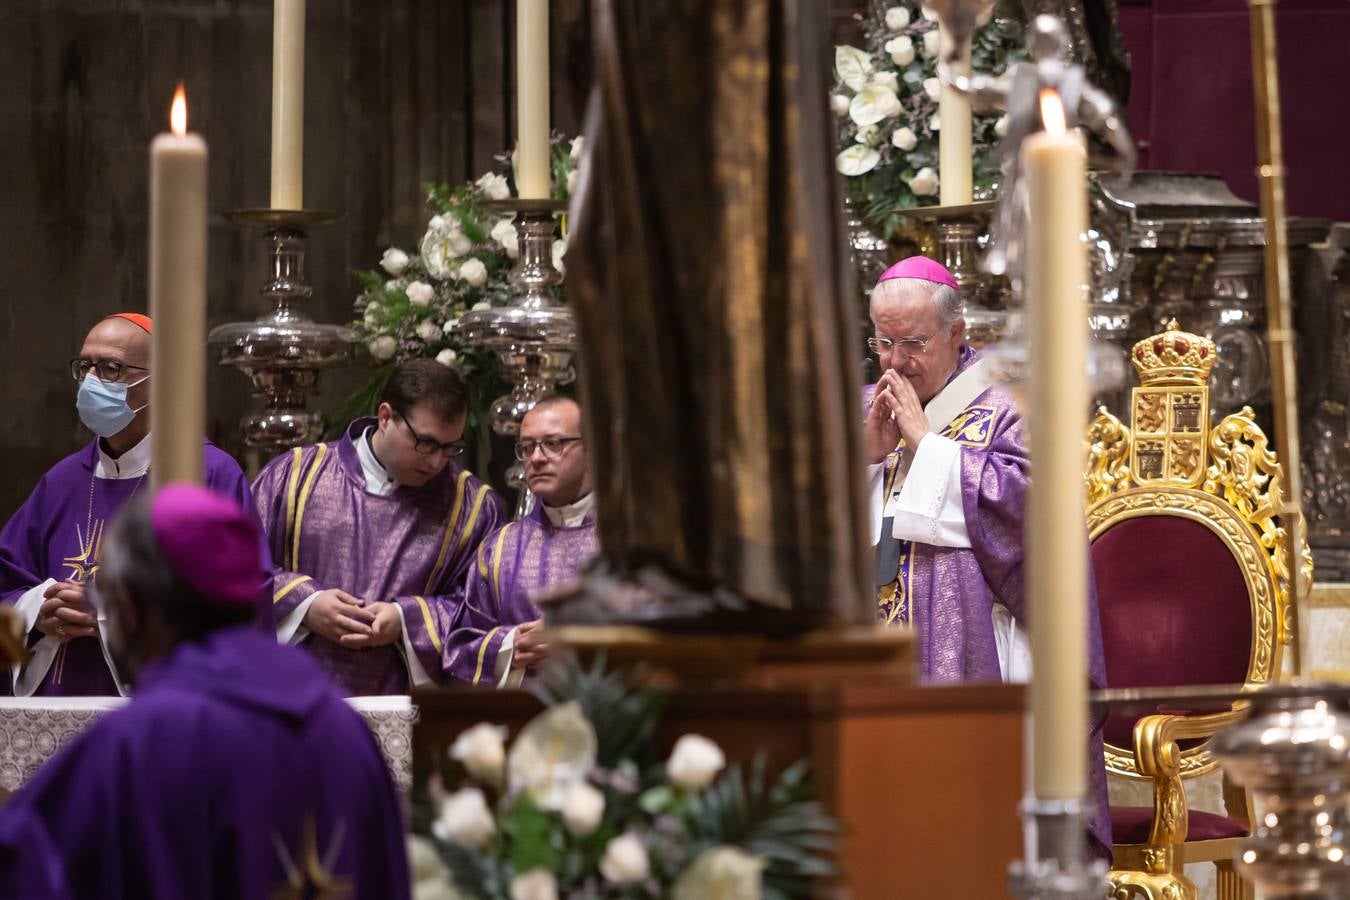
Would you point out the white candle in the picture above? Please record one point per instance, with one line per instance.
(177, 301)
(532, 147)
(288, 104)
(954, 154)
(1055, 165)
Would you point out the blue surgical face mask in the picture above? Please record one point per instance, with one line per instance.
(103, 407)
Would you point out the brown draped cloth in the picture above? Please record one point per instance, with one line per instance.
(708, 273)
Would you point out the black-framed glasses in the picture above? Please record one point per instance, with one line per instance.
(552, 447)
(109, 370)
(426, 446)
(909, 346)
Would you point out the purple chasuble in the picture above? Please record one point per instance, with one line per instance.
(58, 534)
(235, 771)
(412, 548)
(516, 564)
(948, 593)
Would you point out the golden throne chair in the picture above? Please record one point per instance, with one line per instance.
(1192, 589)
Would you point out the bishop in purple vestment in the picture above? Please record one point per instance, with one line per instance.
(51, 547)
(950, 474)
(235, 771)
(494, 639)
(372, 535)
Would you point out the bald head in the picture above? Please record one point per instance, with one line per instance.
(117, 339)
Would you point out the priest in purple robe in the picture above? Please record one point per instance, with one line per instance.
(235, 771)
(372, 535)
(949, 473)
(50, 547)
(495, 637)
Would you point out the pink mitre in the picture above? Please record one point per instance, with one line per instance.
(922, 268)
(209, 542)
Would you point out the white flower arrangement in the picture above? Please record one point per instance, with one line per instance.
(885, 100)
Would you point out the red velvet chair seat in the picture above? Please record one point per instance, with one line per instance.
(1130, 824)
(1174, 609)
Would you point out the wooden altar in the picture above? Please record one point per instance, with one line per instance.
(925, 780)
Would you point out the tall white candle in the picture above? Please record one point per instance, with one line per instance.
(288, 104)
(1055, 165)
(177, 301)
(954, 153)
(532, 148)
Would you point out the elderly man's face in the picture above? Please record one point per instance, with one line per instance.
(906, 313)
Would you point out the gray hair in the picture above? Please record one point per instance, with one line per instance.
(950, 307)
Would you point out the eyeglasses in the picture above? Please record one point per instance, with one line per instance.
(109, 370)
(426, 446)
(552, 447)
(908, 346)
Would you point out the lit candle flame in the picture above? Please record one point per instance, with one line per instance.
(178, 112)
(1052, 113)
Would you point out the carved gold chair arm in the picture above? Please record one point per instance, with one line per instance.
(1157, 755)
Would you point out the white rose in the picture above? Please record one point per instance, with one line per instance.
(419, 293)
(839, 104)
(694, 762)
(857, 160)
(887, 80)
(897, 18)
(578, 146)
(583, 808)
(1001, 126)
(559, 251)
(935, 123)
(851, 65)
(465, 819)
(372, 315)
(932, 41)
(901, 50)
(474, 272)
(536, 884)
(390, 286)
(571, 182)
(447, 357)
(625, 860)
(932, 87)
(925, 182)
(904, 139)
(481, 750)
(724, 871)
(481, 305)
(394, 261)
(927, 13)
(440, 223)
(503, 231)
(429, 331)
(872, 104)
(382, 347)
(494, 186)
(459, 243)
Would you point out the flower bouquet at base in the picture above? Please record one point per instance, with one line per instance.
(581, 806)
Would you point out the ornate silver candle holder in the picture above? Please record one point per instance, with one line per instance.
(283, 350)
(1056, 865)
(1294, 754)
(534, 336)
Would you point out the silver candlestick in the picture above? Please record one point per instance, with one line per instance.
(283, 350)
(1056, 865)
(534, 336)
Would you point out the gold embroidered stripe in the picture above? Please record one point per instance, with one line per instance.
(292, 485)
(482, 561)
(430, 621)
(276, 598)
(497, 564)
(473, 516)
(300, 506)
(482, 651)
(449, 531)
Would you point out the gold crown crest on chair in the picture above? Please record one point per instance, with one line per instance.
(1174, 357)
